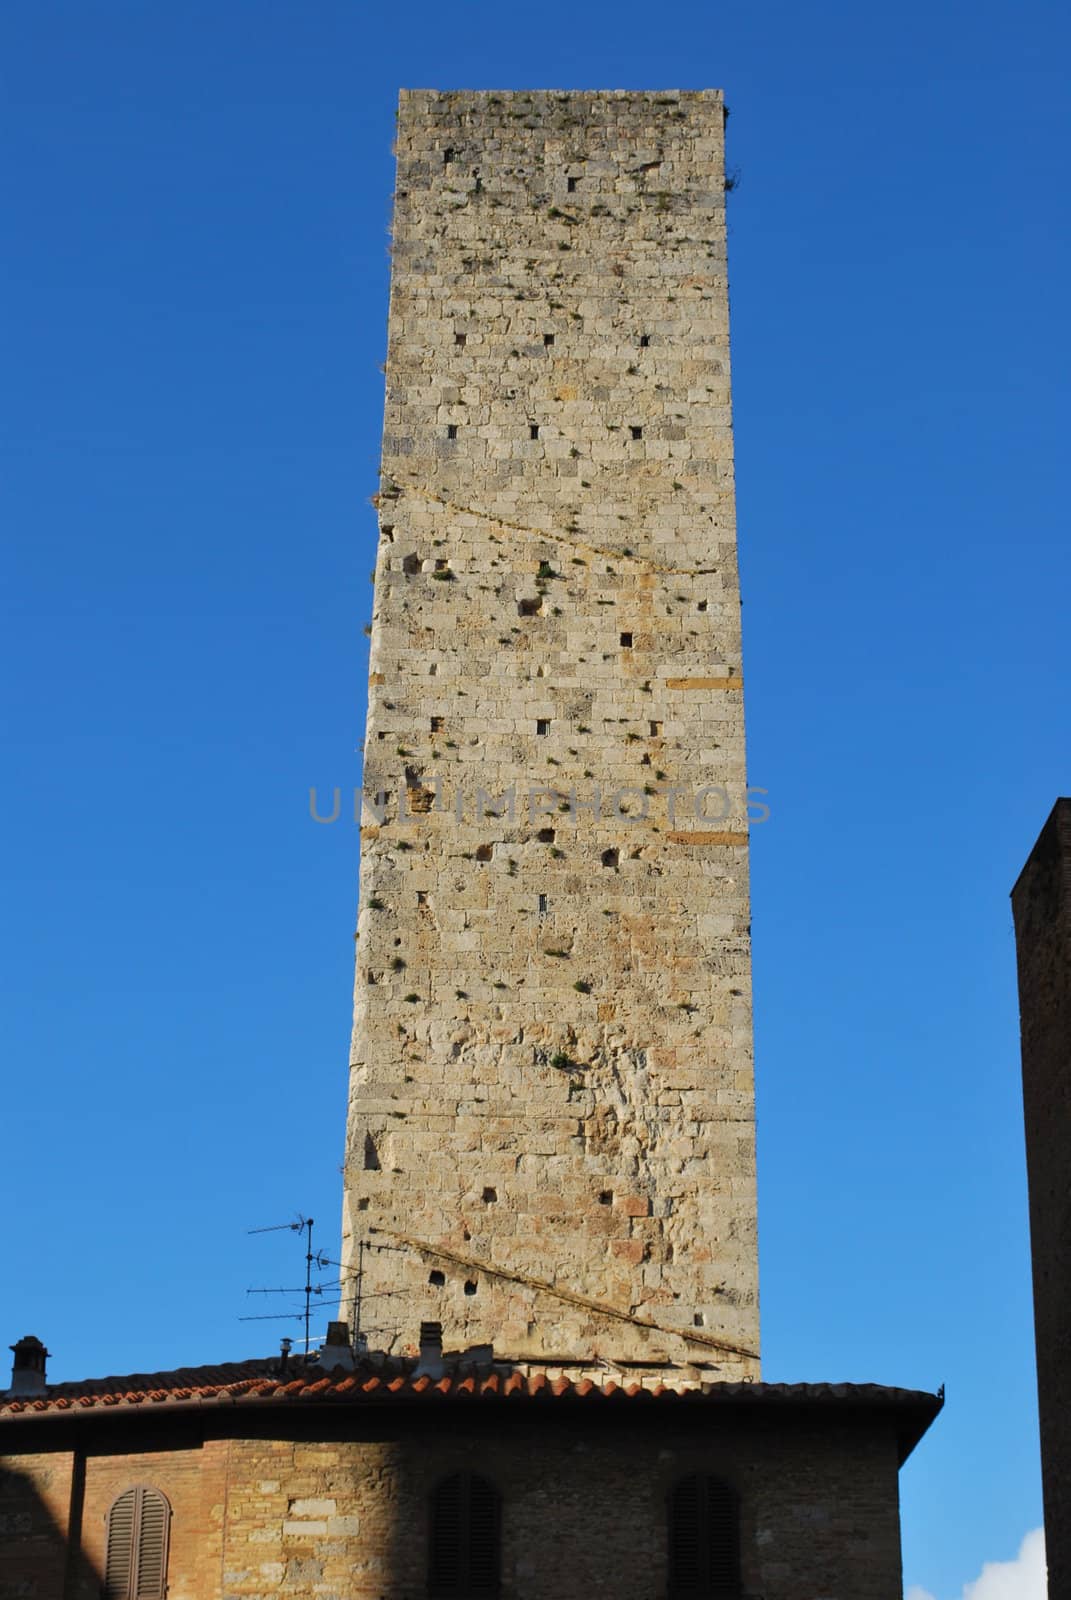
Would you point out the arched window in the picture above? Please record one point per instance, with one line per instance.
(464, 1539)
(704, 1540)
(135, 1567)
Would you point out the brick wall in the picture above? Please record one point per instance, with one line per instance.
(178, 1471)
(35, 1499)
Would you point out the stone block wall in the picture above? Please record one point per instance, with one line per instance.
(552, 1052)
(583, 1512)
(337, 1509)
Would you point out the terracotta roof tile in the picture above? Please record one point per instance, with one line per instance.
(382, 1380)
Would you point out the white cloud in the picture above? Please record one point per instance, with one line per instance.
(1021, 1579)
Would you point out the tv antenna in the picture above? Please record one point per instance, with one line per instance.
(315, 1262)
(352, 1279)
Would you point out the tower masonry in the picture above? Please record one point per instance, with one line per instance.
(551, 1123)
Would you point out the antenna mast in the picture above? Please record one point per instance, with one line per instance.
(315, 1261)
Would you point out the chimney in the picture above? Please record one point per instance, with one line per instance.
(28, 1367)
(430, 1363)
(336, 1352)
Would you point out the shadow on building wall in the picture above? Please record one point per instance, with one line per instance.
(40, 1551)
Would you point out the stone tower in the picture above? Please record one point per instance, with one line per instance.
(551, 1124)
(1041, 903)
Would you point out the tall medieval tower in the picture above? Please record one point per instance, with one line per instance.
(551, 1125)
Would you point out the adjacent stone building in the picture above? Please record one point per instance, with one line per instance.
(344, 1484)
(1041, 903)
(550, 1159)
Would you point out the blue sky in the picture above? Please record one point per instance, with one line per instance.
(195, 207)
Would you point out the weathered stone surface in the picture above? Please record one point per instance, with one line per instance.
(552, 1060)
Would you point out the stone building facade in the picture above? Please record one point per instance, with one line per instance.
(1041, 904)
(552, 1057)
(317, 1485)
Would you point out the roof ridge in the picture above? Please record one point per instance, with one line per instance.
(264, 1379)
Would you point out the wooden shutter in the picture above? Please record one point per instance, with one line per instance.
(464, 1544)
(119, 1563)
(483, 1538)
(151, 1547)
(723, 1538)
(704, 1541)
(135, 1566)
(445, 1557)
(685, 1540)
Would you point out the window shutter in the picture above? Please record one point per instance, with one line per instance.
(685, 1543)
(152, 1547)
(135, 1565)
(723, 1537)
(704, 1541)
(119, 1562)
(464, 1550)
(483, 1538)
(445, 1565)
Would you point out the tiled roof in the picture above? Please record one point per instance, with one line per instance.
(180, 1384)
(262, 1382)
